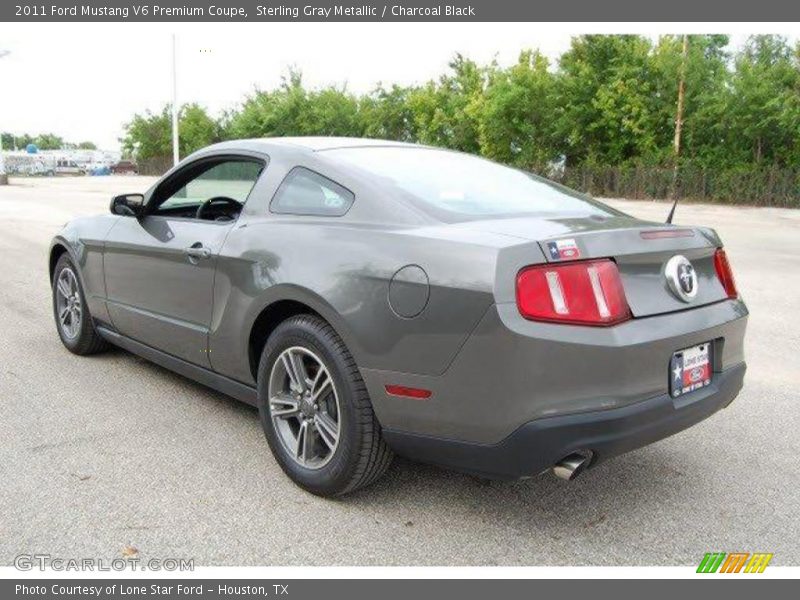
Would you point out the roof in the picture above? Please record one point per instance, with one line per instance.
(313, 143)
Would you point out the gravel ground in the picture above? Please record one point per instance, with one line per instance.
(110, 451)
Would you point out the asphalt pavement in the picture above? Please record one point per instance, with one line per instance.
(109, 452)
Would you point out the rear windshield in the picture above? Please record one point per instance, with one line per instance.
(465, 185)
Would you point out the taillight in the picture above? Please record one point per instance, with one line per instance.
(584, 293)
(725, 273)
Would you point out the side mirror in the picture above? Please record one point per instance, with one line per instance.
(127, 205)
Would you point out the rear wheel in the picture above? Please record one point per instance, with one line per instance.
(315, 410)
(73, 320)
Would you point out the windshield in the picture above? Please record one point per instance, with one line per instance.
(466, 185)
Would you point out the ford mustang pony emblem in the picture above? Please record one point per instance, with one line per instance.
(681, 278)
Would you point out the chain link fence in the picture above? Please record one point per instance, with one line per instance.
(157, 165)
(756, 187)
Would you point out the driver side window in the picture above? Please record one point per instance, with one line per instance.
(229, 179)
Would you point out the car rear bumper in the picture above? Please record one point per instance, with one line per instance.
(541, 443)
(510, 371)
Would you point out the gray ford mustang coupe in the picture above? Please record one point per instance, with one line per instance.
(374, 298)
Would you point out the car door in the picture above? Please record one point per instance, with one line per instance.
(159, 267)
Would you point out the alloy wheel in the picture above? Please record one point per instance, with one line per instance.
(304, 407)
(68, 304)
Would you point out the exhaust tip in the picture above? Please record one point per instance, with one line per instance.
(569, 467)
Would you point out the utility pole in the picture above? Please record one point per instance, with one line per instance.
(175, 150)
(3, 175)
(679, 116)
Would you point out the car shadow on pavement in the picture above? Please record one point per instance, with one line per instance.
(627, 488)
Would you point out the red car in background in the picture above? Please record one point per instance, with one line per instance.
(125, 167)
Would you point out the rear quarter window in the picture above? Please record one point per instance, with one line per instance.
(304, 192)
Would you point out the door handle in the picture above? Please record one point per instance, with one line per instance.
(196, 251)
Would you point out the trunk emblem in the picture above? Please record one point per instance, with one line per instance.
(681, 278)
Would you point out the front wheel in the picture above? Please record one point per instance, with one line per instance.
(315, 410)
(73, 320)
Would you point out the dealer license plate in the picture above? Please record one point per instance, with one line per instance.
(690, 370)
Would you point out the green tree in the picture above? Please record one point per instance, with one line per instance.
(763, 110)
(516, 120)
(9, 140)
(610, 101)
(48, 141)
(196, 129)
(44, 141)
(149, 135)
(603, 101)
(447, 112)
(292, 110)
(387, 114)
(331, 111)
(706, 82)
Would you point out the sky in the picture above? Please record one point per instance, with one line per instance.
(84, 81)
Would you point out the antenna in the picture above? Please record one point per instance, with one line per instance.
(672, 211)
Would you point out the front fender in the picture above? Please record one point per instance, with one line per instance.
(83, 239)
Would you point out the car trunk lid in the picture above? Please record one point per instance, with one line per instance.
(641, 250)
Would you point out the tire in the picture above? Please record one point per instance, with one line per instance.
(359, 455)
(79, 337)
